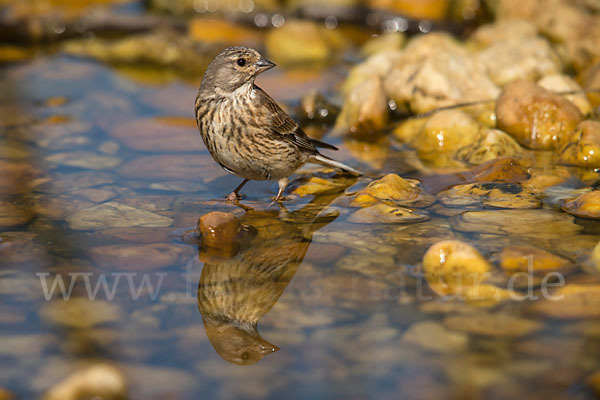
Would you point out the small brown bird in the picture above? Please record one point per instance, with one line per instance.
(244, 129)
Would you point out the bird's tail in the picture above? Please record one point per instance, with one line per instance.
(328, 162)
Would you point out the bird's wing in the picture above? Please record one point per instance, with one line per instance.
(286, 128)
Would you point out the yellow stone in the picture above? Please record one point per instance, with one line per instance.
(586, 205)
(315, 185)
(443, 134)
(454, 267)
(222, 31)
(393, 190)
(523, 258)
(583, 147)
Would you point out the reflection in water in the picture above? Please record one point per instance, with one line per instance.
(236, 290)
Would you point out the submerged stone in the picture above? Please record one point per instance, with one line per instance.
(493, 194)
(114, 215)
(93, 381)
(530, 223)
(569, 302)
(524, 258)
(586, 205)
(503, 325)
(385, 214)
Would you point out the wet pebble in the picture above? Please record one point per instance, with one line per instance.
(530, 223)
(522, 258)
(393, 191)
(586, 205)
(385, 214)
(497, 195)
(84, 160)
(535, 117)
(583, 146)
(79, 312)
(503, 325)
(433, 336)
(93, 381)
(569, 302)
(12, 215)
(114, 215)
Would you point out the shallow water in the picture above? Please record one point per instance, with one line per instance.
(108, 178)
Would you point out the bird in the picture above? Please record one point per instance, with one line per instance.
(245, 131)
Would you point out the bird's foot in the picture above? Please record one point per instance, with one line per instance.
(233, 197)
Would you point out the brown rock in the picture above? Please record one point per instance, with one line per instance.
(570, 301)
(114, 215)
(131, 257)
(489, 145)
(365, 109)
(425, 9)
(94, 381)
(503, 325)
(586, 205)
(11, 215)
(529, 223)
(491, 194)
(583, 147)
(521, 258)
(537, 118)
(443, 134)
(385, 214)
(218, 227)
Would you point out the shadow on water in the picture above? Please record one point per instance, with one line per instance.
(248, 263)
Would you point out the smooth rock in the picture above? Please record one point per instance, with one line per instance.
(529, 223)
(298, 42)
(114, 215)
(524, 258)
(385, 214)
(489, 145)
(84, 160)
(365, 110)
(94, 381)
(79, 312)
(503, 30)
(493, 194)
(393, 190)
(569, 302)
(583, 146)
(443, 134)
(433, 336)
(436, 71)
(563, 83)
(503, 325)
(535, 117)
(586, 205)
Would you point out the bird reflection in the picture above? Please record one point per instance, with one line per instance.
(248, 263)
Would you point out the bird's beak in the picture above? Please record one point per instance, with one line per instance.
(264, 65)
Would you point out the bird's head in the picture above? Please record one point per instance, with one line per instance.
(234, 67)
(236, 344)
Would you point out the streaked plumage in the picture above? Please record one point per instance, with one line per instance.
(245, 130)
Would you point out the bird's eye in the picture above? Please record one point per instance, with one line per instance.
(245, 355)
(241, 62)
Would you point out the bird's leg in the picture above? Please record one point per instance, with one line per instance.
(233, 196)
(283, 182)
